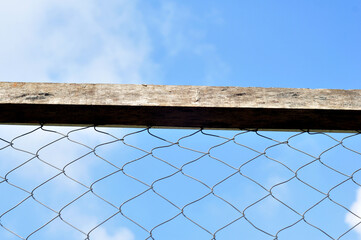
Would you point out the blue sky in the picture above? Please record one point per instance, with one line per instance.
(308, 44)
(208, 159)
(295, 44)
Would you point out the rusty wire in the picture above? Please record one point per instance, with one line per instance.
(111, 183)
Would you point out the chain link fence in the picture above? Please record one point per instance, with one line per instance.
(124, 184)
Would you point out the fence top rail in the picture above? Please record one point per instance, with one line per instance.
(180, 106)
(178, 96)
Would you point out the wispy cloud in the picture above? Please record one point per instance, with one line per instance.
(87, 212)
(113, 42)
(69, 41)
(85, 41)
(120, 234)
(73, 41)
(184, 32)
(216, 70)
(354, 219)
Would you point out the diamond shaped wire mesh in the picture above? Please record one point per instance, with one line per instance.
(122, 183)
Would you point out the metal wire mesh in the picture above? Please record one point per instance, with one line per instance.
(122, 183)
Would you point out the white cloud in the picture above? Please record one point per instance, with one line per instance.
(89, 41)
(216, 70)
(120, 234)
(174, 28)
(37, 173)
(186, 32)
(74, 41)
(350, 218)
(86, 223)
(110, 41)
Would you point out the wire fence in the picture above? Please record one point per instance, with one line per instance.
(124, 183)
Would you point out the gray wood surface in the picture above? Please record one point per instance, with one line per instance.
(180, 106)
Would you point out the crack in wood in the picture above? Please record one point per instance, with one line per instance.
(33, 97)
(239, 94)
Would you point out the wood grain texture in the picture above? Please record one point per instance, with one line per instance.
(180, 106)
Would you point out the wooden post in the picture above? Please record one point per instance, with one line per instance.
(180, 106)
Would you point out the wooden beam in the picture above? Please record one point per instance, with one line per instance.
(180, 106)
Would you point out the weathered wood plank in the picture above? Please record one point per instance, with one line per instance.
(180, 106)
